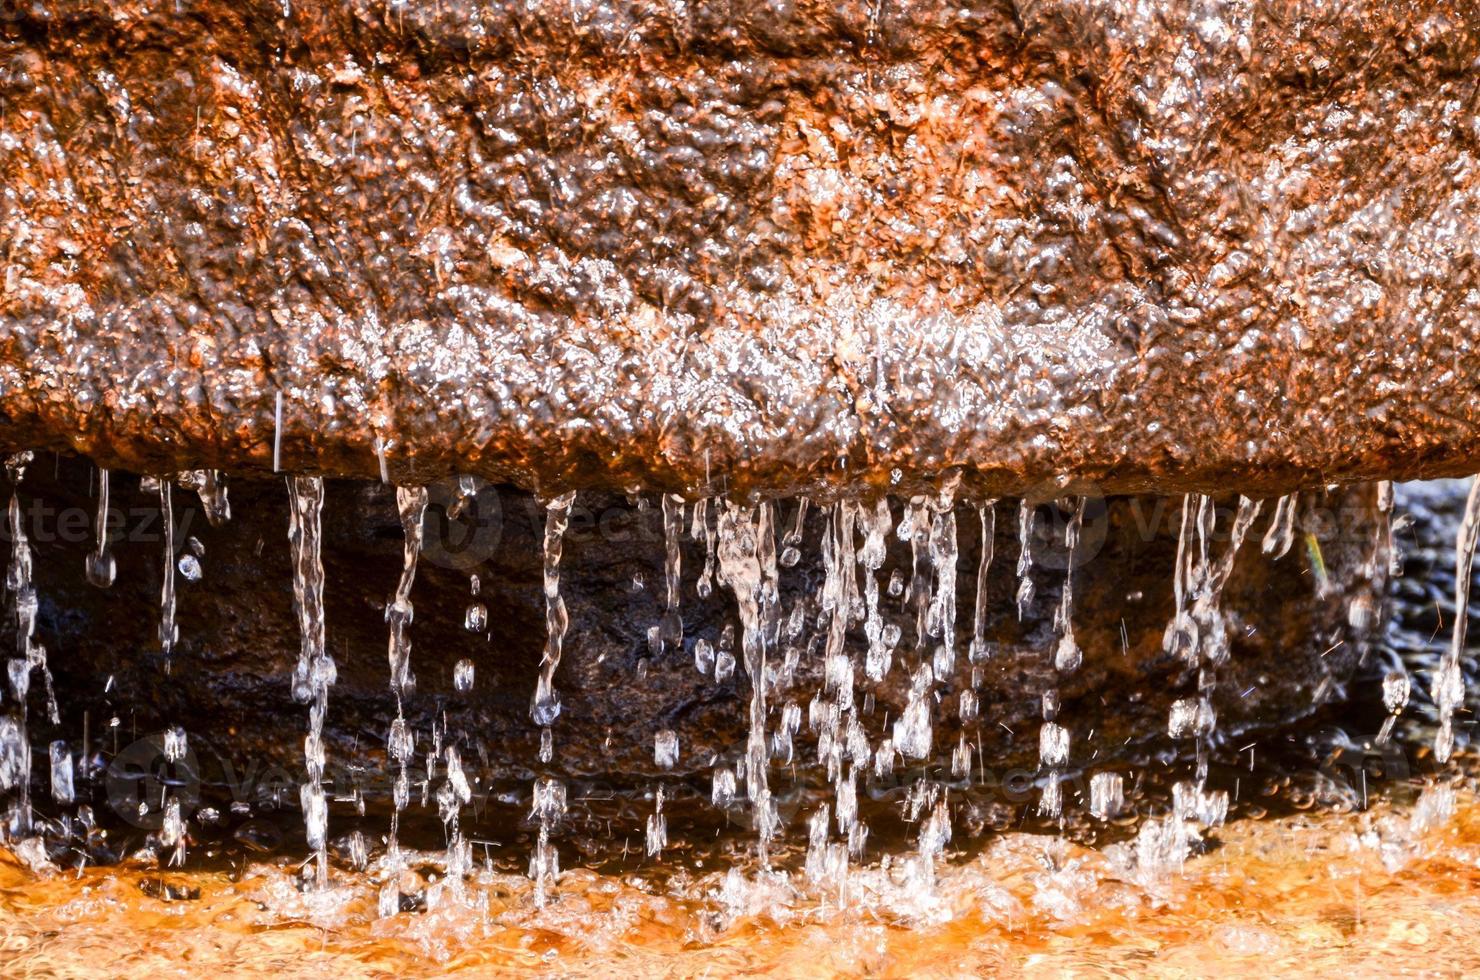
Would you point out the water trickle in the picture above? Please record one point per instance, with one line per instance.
(1053, 755)
(657, 826)
(837, 591)
(100, 566)
(210, 486)
(545, 707)
(1281, 533)
(315, 671)
(935, 830)
(168, 631)
(876, 522)
(15, 745)
(1448, 688)
(920, 519)
(1067, 655)
(454, 794)
(913, 732)
(791, 551)
(549, 793)
(738, 555)
(670, 629)
(1026, 514)
(701, 527)
(411, 504)
(978, 653)
(941, 616)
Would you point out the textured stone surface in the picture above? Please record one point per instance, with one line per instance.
(229, 683)
(760, 245)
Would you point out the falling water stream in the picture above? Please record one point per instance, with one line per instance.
(889, 822)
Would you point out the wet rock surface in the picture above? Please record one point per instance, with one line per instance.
(1180, 245)
(1294, 638)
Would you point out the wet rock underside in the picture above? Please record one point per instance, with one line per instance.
(869, 488)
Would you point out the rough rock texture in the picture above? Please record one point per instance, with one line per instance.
(1181, 244)
(1293, 641)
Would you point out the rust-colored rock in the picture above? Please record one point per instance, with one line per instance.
(769, 246)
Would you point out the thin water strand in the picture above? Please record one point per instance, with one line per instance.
(168, 631)
(977, 653)
(670, 630)
(1448, 688)
(315, 671)
(101, 568)
(15, 742)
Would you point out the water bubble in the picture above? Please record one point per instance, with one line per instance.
(462, 675)
(475, 620)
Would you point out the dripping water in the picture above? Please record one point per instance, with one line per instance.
(411, 505)
(315, 671)
(549, 793)
(1448, 688)
(101, 568)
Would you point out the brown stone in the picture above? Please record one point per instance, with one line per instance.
(746, 246)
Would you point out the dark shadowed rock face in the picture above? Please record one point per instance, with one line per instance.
(1290, 623)
(1157, 246)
